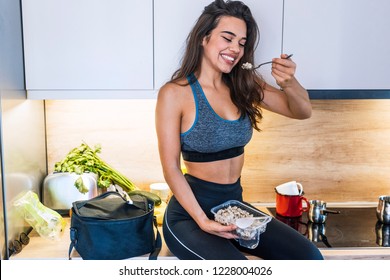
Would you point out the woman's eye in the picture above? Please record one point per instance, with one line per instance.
(242, 45)
(227, 39)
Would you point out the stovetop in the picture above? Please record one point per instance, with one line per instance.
(353, 227)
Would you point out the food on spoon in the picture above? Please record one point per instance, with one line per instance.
(247, 66)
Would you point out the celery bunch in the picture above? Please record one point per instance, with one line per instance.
(85, 159)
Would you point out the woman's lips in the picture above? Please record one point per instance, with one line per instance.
(229, 59)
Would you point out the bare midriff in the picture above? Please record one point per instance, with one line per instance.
(225, 171)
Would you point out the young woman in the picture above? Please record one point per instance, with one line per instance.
(207, 113)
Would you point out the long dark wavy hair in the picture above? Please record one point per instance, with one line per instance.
(245, 88)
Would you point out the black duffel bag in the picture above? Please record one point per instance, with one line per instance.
(108, 227)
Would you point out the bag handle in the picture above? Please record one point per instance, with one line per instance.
(79, 204)
(158, 243)
(73, 241)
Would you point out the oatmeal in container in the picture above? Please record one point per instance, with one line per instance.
(229, 212)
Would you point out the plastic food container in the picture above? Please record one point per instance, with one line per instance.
(248, 237)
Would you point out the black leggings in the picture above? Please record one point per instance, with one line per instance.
(187, 241)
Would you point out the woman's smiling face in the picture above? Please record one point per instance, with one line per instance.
(224, 47)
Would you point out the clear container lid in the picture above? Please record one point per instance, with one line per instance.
(251, 212)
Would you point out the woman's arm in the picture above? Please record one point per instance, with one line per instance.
(168, 121)
(293, 101)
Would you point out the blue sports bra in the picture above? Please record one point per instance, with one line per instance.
(211, 137)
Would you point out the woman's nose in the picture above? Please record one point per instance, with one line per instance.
(235, 48)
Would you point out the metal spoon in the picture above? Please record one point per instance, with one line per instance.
(246, 222)
(249, 66)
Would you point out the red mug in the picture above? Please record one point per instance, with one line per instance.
(290, 205)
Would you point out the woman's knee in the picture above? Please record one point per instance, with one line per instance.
(280, 241)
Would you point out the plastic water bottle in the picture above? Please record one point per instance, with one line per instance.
(47, 222)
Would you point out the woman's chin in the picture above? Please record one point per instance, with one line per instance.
(227, 70)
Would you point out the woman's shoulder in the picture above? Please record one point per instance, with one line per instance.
(172, 97)
(174, 89)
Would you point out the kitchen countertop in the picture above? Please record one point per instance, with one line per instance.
(42, 249)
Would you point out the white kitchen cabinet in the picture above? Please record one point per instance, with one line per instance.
(175, 18)
(88, 48)
(340, 44)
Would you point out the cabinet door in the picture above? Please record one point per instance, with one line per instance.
(88, 44)
(339, 44)
(175, 18)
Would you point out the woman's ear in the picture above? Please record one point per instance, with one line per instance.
(205, 40)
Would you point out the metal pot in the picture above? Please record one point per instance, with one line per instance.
(59, 191)
(316, 233)
(382, 234)
(383, 209)
(317, 211)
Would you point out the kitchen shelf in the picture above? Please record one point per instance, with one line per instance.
(90, 94)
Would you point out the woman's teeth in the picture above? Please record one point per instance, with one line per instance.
(228, 57)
